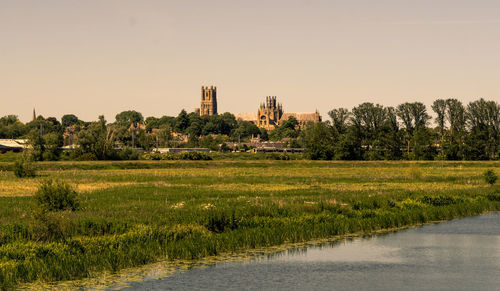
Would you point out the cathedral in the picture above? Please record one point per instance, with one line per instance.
(269, 115)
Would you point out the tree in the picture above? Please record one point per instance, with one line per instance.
(97, 140)
(69, 120)
(452, 144)
(11, 127)
(340, 118)
(129, 117)
(368, 119)
(182, 121)
(288, 129)
(414, 116)
(319, 142)
(423, 144)
(53, 142)
(245, 130)
(439, 107)
(37, 143)
(483, 121)
(390, 138)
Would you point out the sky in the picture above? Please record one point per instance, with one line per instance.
(94, 57)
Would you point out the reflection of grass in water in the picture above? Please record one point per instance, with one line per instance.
(164, 269)
(187, 210)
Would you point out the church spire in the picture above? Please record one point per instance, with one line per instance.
(34, 114)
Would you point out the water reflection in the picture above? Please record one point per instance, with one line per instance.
(460, 255)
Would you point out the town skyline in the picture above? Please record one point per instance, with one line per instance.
(323, 113)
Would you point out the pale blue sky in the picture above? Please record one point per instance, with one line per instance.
(102, 57)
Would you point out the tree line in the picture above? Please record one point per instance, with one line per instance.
(374, 132)
(366, 132)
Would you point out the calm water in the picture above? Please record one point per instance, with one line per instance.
(457, 255)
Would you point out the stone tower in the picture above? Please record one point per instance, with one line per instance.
(208, 101)
(269, 113)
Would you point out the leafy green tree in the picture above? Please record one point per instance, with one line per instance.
(151, 123)
(220, 124)
(264, 135)
(391, 138)
(288, 129)
(340, 120)
(11, 127)
(245, 130)
(483, 121)
(69, 120)
(319, 142)
(146, 140)
(44, 126)
(37, 144)
(439, 107)
(423, 144)
(368, 119)
(53, 142)
(413, 115)
(452, 140)
(164, 136)
(97, 140)
(129, 117)
(182, 122)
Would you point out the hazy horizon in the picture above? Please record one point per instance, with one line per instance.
(102, 57)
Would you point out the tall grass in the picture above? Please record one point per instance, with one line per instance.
(194, 210)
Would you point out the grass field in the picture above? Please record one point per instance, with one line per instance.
(135, 213)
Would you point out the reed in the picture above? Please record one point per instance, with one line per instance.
(189, 210)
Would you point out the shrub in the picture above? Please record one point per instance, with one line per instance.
(493, 196)
(50, 226)
(279, 156)
(56, 195)
(128, 153)
(24, 166)
(490, 177)
(219, 221)
(194, 156)
(440, 200)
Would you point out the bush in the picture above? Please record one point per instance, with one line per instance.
(129, 154)
(24, 166)
(440, 200)
(194, 156)
(50, 226)
(279, 156)
(490, 177)
(219, 222)
(56, 195)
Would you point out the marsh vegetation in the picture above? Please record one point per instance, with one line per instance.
(135, 213)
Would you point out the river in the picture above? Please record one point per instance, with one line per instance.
(462, 254)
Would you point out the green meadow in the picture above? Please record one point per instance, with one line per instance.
(141, 212)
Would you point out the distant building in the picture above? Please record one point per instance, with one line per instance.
(178, 150)
(208, 104)
(34, 115)
(270, 115)
(15, 145)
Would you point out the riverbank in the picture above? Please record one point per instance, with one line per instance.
(461, 254)
(190, 211)
(165, 269)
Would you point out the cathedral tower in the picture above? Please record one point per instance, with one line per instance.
(208, 100)
(269, 113)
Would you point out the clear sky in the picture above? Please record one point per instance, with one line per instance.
(93, 57)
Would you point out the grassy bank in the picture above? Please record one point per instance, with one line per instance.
(134, 213)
